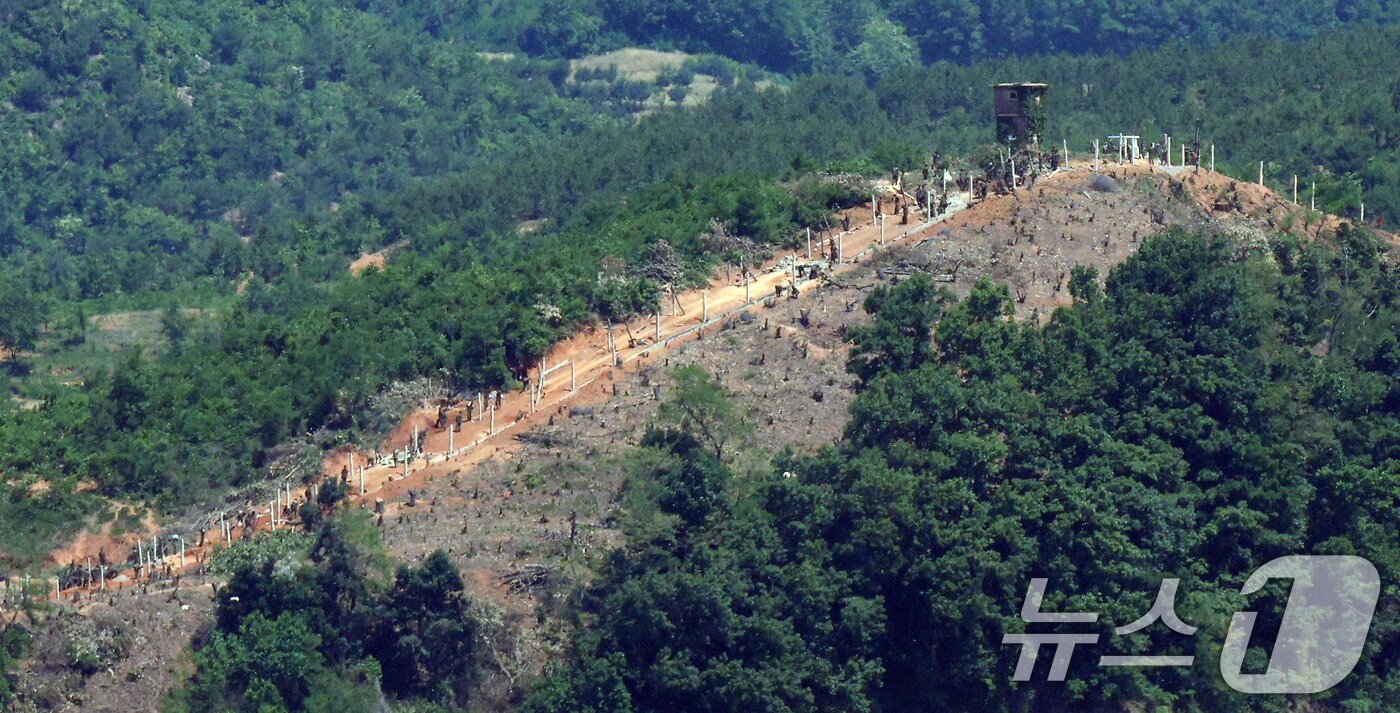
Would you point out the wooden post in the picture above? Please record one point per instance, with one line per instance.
(182, 553)
(1312, 190)
(1295, 189)
(872, 209)
(840, 248)
(1013, 175)
(1212, 158)
(809, 243)
(542, 373)
(362, 480)
(573, 377)
(1261, 173)
(1183, 155)
(272, 515)
(612, 346)
(1064, 146)
(492, 430)
(102, 575)
(1169, 152)
(704, 306)
(450, 441)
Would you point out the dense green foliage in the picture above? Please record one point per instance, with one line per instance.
(1208, 410)
(304, 346)
(292, 358)
(175, 146)
(828, 35)
(14, 642)
(145, 142)
(325, 636)
(1203, 412)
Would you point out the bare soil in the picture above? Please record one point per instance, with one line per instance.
(376, 260)
(503, 504)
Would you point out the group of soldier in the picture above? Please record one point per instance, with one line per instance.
(1159, 152)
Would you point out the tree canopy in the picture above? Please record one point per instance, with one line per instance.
(1180, 420)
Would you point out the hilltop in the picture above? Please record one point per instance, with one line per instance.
(542, 499)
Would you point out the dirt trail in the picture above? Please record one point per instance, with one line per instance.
(580, 371)
(587, 355)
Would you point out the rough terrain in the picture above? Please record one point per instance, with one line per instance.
(504, 504)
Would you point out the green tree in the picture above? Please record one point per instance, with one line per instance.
(422, 635)
(898, 340)
(14, 643)
(267, 664)
(884, 48)
(697, 405)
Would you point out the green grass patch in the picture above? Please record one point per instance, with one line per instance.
(33, 524)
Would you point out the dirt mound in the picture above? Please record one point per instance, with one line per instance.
(376, 260)
(1032, 239)
(95, 540)
(1228, 199)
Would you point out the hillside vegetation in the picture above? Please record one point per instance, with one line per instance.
(212, 169)
(866, 36)
(1179, 421)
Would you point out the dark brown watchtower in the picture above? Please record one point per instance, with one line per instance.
(1022, 114)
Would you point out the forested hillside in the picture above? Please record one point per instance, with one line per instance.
(304, 345)
(1182, 421)
(214, 167)
(145, 143)
(866, 36)
(142, 143)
